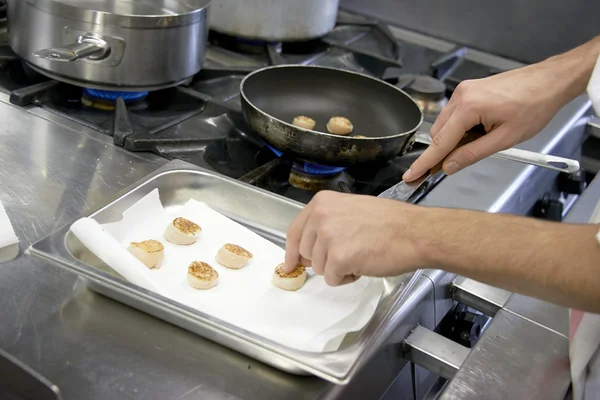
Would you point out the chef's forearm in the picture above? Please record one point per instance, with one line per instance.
(569, 73)
(556, 262)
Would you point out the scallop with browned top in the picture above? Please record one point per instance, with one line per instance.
(149, 252)
(304, 122)
(340, 126)
(290, 281)
(182, 231)
(233, 256)
(202, 276)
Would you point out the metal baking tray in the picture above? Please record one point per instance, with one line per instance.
(266, 214)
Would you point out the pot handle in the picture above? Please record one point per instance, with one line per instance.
(561, 164)
(89, 47)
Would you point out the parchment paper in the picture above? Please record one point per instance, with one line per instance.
(314, 318)
(7, 233)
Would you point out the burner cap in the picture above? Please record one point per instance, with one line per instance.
(109, 95)
(315, 177)
(423, 86)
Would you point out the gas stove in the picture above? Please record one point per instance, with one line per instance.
(201, 121)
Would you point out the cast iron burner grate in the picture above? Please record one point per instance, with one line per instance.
(357, 44)
(202, 123)
(132, 114)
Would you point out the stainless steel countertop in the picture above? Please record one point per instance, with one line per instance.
(88, 345)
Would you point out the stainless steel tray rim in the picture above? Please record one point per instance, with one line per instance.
(337, 366)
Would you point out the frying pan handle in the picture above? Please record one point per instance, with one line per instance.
(561, 164)
(555, 163)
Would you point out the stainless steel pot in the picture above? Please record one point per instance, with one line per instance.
(274, 20)
(127, 45)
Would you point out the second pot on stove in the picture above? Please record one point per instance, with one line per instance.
(126, 45)
(274, 20)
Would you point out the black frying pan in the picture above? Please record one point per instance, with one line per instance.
(273, 96)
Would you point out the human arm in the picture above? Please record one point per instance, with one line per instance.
(512, 106)
(346, 236)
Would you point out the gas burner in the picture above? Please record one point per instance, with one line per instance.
(261, 47)
(202, 123)
(309, 168)
(106, 99)
(315, 177)
(240, 45)
(316, 169)
(429, 93)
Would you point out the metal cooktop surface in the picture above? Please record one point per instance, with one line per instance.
(201, 121)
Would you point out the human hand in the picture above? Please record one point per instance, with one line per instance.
(344, 236)
(512, 106)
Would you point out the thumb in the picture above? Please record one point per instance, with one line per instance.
(471, 153)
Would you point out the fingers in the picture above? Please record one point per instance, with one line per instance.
(305, 262)
(319, 259)
(334, 273)
(441, 120)
(443, 143)
(469, 154)
(334, 279)
(311, 241)
(309, 237)
(294, 238)
(337, 268)
(349, 279)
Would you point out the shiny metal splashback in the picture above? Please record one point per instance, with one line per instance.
(498, 27)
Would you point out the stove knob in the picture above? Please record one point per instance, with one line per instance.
(462, 327)
(571, 183)
(548, 209)
(468, 329)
